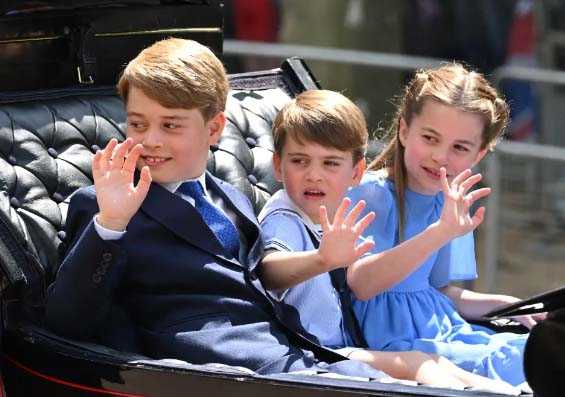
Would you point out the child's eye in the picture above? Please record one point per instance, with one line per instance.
(171, 126)
(461, 148)
(137, 125)
(299, 161)
(429, 138)
(331, 163)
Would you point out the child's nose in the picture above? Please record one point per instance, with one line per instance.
(151, 138)
(439, 155)
(314, 173)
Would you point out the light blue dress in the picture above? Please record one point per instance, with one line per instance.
(414, 314)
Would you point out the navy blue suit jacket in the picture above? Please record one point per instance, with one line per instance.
(167, 288)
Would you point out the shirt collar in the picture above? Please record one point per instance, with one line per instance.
(281, 199)
(316, 227)
(173, 186)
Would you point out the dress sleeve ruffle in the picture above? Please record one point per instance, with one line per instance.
(379, 199)
(455, 262)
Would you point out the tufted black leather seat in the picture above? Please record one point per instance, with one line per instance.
(47, 141)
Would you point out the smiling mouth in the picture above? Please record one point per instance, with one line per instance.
(432, 172)
(435, 174)
(153, 160)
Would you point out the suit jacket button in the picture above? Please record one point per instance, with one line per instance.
(106, 257)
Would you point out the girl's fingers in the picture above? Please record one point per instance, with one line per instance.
(444, 182)
(477, 194)
(364, 222)
(354, 213)
(132, 157)
(461, 177)
(527, 321)
(469, 182)
(478, 217)
(340, 213)
(539, 316)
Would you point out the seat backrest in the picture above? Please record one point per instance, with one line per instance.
(48, 139)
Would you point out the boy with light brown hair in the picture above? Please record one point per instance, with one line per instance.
(162, 254)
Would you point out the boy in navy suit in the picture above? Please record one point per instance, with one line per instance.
(163, 255)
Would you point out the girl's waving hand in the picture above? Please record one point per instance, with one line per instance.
(456, 218)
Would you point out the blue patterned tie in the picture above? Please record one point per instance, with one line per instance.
(216, 220)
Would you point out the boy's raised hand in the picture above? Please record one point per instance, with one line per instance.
(339, 247)
(113, 170)
(455, 216)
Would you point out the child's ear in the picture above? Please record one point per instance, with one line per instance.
(480, 155)
(402, 131)
(277, 167)
(216, 126)
(358, 171)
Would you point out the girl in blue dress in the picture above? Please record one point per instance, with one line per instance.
(420, 190)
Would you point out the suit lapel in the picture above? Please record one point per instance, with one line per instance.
(242, 209)
(182, 219)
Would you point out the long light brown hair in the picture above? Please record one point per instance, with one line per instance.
(453, 85)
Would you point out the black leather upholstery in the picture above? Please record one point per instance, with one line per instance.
(47, 142)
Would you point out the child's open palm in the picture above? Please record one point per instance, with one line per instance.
(455, 216)
(113, 171)
(339, 247)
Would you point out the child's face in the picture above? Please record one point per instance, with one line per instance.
(440, 136)
(315, 175)
(175, 141)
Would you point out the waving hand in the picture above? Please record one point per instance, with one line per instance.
(339, 247)
(113, 171)
(455, 216)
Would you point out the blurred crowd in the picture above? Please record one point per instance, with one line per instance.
(484, 34)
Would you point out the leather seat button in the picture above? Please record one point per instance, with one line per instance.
(58, 197)
(252, 178)
(53, 153)
(15, 202)
(61, 235)
(253, 276)
(251, 142)
(12, 159)
(95, 148)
